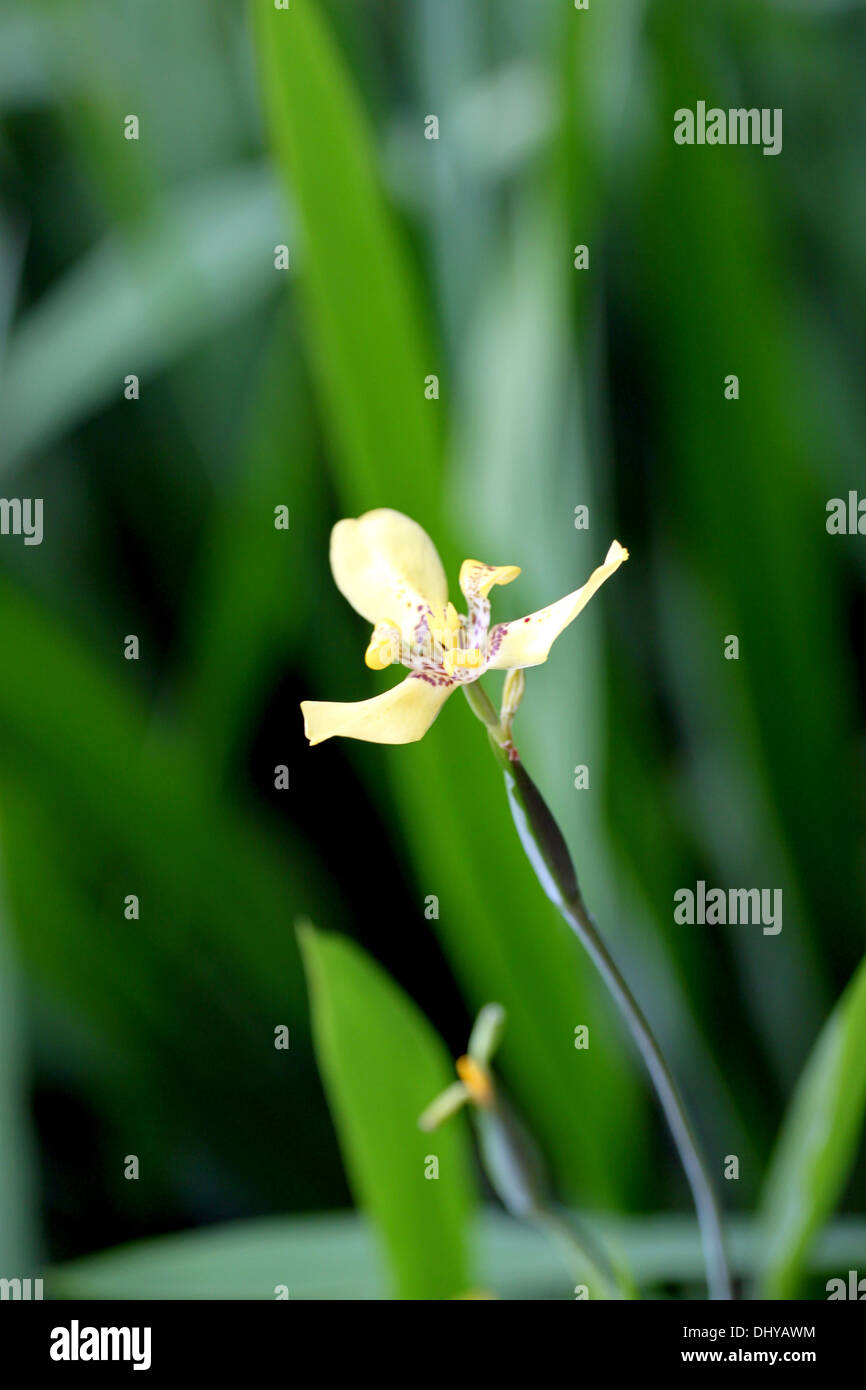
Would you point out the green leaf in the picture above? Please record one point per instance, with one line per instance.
(364, 313)
(63, 709)
(336, 1257)
(382, 1064)
(17, 1190)
(818, 1141)
(248, 567)
(205, 258)
(765, 757)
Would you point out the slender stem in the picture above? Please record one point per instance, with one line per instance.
(709, 1216)
(581, 1252)
(518, 1175)
(548, 853)
(482, 705)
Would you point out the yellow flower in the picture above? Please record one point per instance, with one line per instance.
(476, 1083)
(388, 568)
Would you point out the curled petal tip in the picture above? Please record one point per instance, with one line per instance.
(477, 578)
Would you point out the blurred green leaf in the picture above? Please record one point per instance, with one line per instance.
(17, 1189)
(78, 720)
(135, 303)
(337, 1257)
(818, 1142)
(24, 80)
(748, 555)
(210, 953)
(364, 308)
(245, 611)
(382, 1064)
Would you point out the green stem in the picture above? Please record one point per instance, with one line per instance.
(517, 1173)
(581, 1252)
(545, 847)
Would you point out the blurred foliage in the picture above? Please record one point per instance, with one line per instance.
(558, 388)
(818, 1142)
(337, 1257)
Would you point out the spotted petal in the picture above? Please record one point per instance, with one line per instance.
(388, 568)
(527, 641)
(402, 715)
(477, 579)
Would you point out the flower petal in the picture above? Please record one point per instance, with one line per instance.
(527, 641)
(487, 1033)
(402, 715)
(384, 647)
(477, 579)
(386, 565)
(444, 1106)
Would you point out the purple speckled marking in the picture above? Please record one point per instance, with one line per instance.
(431, 678)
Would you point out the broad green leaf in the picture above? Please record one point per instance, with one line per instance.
(337, 1257)
(382, 1064)
(818, 1142)
(364, 317)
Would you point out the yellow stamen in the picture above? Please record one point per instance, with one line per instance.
(476, 1079)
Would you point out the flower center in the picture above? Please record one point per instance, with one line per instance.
(476, 1079)
(443, 642)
